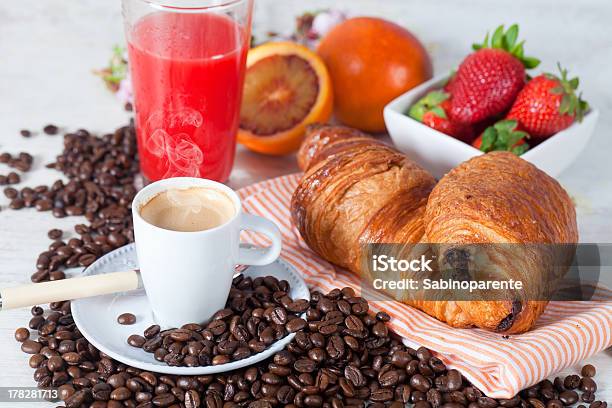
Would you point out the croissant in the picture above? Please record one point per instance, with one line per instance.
(501, 198)
(356, 190)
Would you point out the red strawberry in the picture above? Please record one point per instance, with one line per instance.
(442, 124)
(548, 104)
(432, 111)
(488, 80)
(502, 136)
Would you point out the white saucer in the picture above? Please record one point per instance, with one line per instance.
(96, 317)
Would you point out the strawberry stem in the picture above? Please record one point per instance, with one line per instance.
(507, 41)
(504, 136)
(571, 103)
(429, 103)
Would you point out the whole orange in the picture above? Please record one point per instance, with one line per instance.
(371, 61)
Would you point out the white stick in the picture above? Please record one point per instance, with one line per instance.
(68, 289)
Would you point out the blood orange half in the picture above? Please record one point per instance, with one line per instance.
(286, 88)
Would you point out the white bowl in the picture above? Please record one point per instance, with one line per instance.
(439, 153)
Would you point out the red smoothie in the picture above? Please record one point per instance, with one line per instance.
(187, 73)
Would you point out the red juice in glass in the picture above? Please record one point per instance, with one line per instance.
(187, 71)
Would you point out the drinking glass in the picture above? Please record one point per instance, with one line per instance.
(187, 61)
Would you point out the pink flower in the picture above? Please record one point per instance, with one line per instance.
(326, 20)
(125, 93)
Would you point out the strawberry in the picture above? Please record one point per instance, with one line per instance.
(504, 135)
(432, 110)
(548, 104)
(443, 124)
(489, 79)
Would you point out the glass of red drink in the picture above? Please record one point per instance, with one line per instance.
(187, 61)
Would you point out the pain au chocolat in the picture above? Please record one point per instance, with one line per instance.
(356, 190)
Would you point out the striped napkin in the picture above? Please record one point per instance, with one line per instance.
(500, 366)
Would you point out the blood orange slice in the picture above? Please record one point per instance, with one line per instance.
(286, 88)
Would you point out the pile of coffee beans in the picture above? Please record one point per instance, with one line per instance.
(22, 162)
(101, 172)
(342, 355)
(258, 312)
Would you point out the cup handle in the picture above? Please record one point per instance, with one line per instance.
(260, 256)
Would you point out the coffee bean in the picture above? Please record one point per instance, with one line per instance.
(279, 315)
(568, 397)
(72, 358)
(382, 395)
(588, 385)
(151, 331)
(389, 379)
(571, 382)
(486, 402)
(86, 259)
(13, 178)
(152, 344)
(353, 323)
(437, 365)
(295, 325)
(11, 193)
(240, 333)
(192, 399)
(102, 391)
(328, 329)
(126, 319)
(136, 341)
(17, 203)
(120, 394)
(217, 327)
(77, 399)
(304, 365)
(420, 383)
(298, 306)
(354, 375)
(241, 353)
(47, 328)
(220, 359)
(588, 371)
(55, 234)
(55, 363)
(536, 403)
(51, 129)
(30, 346)
(43, 205)
(36, 360)
(65, 391)
(554, 403)
(22, 334)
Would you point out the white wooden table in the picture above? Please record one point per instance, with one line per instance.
(49, 48)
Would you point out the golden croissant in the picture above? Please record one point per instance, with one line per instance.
(356, 190)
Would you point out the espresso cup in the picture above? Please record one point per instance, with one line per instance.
(188, 275)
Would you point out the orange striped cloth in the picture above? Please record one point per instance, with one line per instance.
(565, 334)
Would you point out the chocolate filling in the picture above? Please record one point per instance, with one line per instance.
(508, 321)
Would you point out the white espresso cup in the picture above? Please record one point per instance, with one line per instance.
(188, 275)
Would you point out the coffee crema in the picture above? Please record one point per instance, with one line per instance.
(188, 210)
